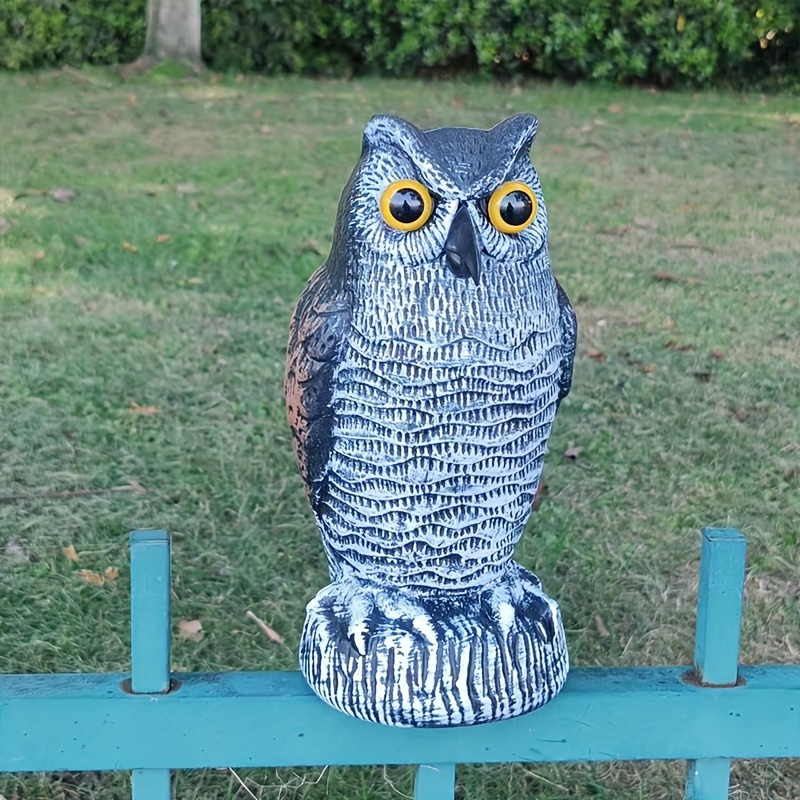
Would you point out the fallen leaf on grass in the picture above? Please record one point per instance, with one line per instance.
(601, 626)
(63, 195)
(191, 629)
(161, 238)
(559, 149)
(666, 277)
(71, 553)
(138, 410)
(131, 248)
(669, 323)
(596, 355)
(265, 629)
(614, 108)
(95, 578)
(312, 246)
(680, 348)
(195, 281)
(111, 573)
(573, 451)
(620, 230)
(80, 241)
(39, 255)
(685, 208)
(671, 277)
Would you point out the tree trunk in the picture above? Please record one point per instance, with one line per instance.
(173, 31)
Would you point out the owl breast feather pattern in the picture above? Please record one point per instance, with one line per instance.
(437, 449)
(424, 370)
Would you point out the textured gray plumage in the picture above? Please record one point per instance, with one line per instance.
(421, 403)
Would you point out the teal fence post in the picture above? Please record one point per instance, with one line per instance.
(150, 633)
(716, 650)
(435, 782)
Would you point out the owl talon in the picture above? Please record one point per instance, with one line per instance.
(359, 641)
(384, 654)
(546, 634)
(520, 600)
(543, 620)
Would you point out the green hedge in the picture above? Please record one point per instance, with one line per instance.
(700, 42)
(660, 41)
(34, 34)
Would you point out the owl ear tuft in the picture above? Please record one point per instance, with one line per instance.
(516, 134)
(385, 129)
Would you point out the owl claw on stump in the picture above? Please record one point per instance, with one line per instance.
(427, 357)
(435, 660)
(359, 640)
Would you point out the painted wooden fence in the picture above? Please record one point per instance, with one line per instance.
(151, 721)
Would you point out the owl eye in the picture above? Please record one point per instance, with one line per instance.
(406, 205)
(512, 207)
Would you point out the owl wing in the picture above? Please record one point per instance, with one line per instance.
(317, 332)
(569, 337)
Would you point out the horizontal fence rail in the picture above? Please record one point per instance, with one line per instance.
(258, 719)
(151, 722)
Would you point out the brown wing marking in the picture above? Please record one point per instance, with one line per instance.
(316, 334)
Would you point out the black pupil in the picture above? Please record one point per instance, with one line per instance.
(406, 205)
(516, 208)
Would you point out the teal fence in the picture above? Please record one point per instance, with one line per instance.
(151, 721)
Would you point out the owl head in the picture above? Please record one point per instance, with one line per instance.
(461, 196)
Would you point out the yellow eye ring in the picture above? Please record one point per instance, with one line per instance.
(512, 207)
(406, 205)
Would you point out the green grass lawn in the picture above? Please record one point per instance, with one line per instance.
(143, 327)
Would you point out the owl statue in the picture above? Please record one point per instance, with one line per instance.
(427, 357)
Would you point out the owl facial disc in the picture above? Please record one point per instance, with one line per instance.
(461, 247)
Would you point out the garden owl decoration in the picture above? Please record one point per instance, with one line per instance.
(427, 357)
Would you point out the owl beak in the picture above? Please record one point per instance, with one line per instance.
(461, 247)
